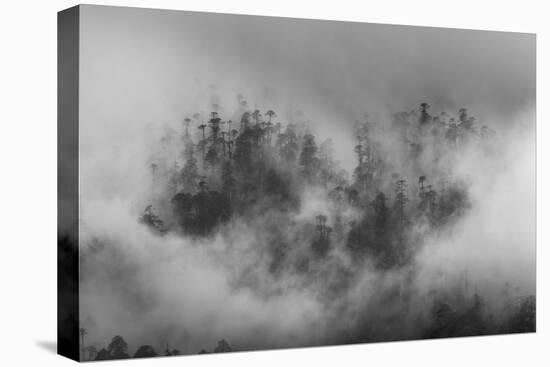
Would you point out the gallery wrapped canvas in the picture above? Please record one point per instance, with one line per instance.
(240, 183)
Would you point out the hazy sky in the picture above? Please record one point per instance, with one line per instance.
(140, 64)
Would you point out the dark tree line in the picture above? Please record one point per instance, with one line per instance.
(118, 349)
(231, 169)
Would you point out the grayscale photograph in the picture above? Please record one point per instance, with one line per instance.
(249, 183)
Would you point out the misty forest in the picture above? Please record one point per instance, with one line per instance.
(320, 254)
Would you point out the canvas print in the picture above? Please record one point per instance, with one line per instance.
(241, 183)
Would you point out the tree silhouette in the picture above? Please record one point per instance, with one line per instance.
(288, 145)
(244, 150)
(102, 355)
(229, 182)
(118, 348)
(381, 215)
(421, 181)
(401, 199)
(145, 351)
(189, 175)
(327, 165)
(256, 115)
(203, 141)
(212, 158)
(308, 158)
(152, 220)
(187, 122)
(462, 115)
(222, 347)
(452, 133)
(270, 114)
(322, 243)
(425, 117)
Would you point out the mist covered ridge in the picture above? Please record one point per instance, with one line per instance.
(246, 228)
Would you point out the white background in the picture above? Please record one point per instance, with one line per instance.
(28, 182)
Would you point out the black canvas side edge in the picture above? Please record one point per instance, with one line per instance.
(67, 183)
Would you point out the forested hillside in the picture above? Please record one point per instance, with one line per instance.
(268, 200)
